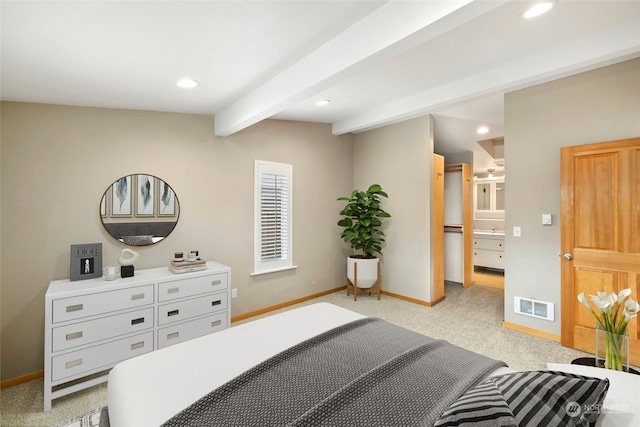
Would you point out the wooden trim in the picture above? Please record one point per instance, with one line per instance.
(21, 379)
(604, 147)
(284, 304)
(531, 331)
(320, 294)
(437, 228)
(567, 294)
(414, 300)
(467, 225)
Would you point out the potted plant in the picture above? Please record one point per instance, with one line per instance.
(362, 221)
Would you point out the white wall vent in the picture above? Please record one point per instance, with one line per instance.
(533, 308)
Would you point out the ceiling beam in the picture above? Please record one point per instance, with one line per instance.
(599, 50)
(392, 28)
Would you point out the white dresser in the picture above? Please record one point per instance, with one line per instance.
(91, 325)
(488, 250)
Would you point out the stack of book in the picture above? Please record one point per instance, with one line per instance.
(187, 266)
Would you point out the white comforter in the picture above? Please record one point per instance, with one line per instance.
(148, 390)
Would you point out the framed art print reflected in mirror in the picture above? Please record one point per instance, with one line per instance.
(139, 209)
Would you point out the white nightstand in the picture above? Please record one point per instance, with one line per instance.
(621, 405)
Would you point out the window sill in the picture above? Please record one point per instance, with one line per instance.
(275, 270)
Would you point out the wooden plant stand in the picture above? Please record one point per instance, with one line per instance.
(375, 288)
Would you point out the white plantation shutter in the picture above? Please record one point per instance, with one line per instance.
(273, 184)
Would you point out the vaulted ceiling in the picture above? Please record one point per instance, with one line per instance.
(378, 62)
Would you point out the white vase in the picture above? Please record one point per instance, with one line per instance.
(367, 271)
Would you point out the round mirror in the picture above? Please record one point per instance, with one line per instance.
(139, 210)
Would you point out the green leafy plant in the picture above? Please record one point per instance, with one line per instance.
(362, 220)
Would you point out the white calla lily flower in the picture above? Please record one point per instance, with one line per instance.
(583, 300)
(628, 315)
(611, 321)
(623, 294)
(631, 306)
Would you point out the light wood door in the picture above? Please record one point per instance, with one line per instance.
(600, 233)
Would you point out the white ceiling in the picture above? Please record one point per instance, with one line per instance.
(378, 62)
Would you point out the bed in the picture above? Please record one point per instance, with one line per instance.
(291, 369)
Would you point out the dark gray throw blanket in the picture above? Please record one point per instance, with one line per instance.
(364, 373)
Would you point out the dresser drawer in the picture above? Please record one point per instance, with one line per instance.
(182, 310)
(86, 332)
(490, 244)
(181, 288)
(175, 334)
(100, 357)
(103, 302)
(484, 258)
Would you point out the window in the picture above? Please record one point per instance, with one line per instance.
(273, 209)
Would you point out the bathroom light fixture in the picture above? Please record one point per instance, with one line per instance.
(538, 9)
(187, 83)
(323, 102)
(482, 130)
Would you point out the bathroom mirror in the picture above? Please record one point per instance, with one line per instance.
(139, 209)
(483, 197)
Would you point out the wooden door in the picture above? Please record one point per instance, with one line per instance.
(600, 233)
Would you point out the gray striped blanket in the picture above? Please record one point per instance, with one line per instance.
(364, 373)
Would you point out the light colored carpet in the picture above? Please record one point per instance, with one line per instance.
(90, 419)
(470, 318)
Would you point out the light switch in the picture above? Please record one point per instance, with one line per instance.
(516, 231)
(546, 219)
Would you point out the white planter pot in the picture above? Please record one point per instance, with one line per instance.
(367, 271)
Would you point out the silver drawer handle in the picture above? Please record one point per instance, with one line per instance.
(74, 336)
(216, 323)
(137, 296)
(73, 363)
(173, 290)
(216, 282)
(173, 335)
(137, 345)
(77, 307)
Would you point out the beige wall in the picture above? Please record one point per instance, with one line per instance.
(595, 106)
(399, 158)
(57, 161)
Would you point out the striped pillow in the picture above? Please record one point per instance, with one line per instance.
(529, 398)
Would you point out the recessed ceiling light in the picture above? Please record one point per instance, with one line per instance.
(482, 130)
(187, 83)
(323, 102)
(538, 9)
